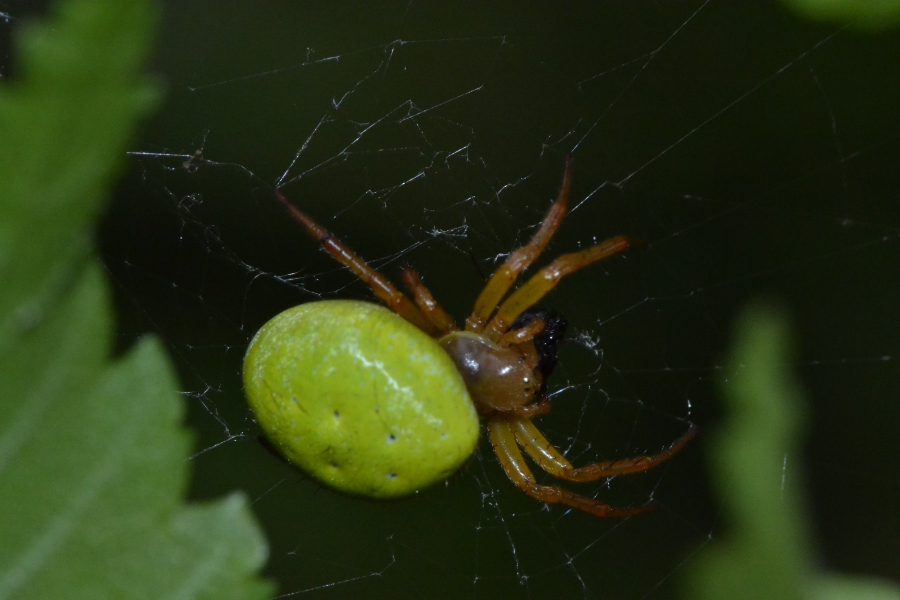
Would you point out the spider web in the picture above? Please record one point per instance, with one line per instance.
(755, 152)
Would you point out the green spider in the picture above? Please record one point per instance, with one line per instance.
(383, 403)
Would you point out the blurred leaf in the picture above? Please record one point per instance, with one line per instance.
(845, 587)
(92, 454)
(766, 552)
(65, 120)
(867, 14)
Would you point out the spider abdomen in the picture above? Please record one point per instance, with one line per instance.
(359, 398)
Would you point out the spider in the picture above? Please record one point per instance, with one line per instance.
(503, 355)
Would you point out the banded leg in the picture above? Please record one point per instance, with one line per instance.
(518, 261)
(549, 458)
(381, 286)
(513, 463)
(547, 278)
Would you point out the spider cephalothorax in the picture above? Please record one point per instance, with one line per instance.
(505, 377)
(504, 354)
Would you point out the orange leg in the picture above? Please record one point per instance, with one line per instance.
(427, 304)
(528, 411)
(518, 261)
(549, 458)
(513, 463)
(381, 286)
(525, 334)
(546, 279)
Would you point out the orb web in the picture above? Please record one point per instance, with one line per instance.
(753, 151)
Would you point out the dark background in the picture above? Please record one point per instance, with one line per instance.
(756, 152)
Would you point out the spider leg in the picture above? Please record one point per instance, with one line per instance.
(381, 286)
(513, 463)
(527, 411)
(427, 304)
(525, 334)
(518, 261)
(546, 279)
(549, 458)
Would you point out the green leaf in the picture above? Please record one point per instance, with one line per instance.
(93, 456)
(64, 123)
(864, 14)
(843, 587)
(766, 550)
